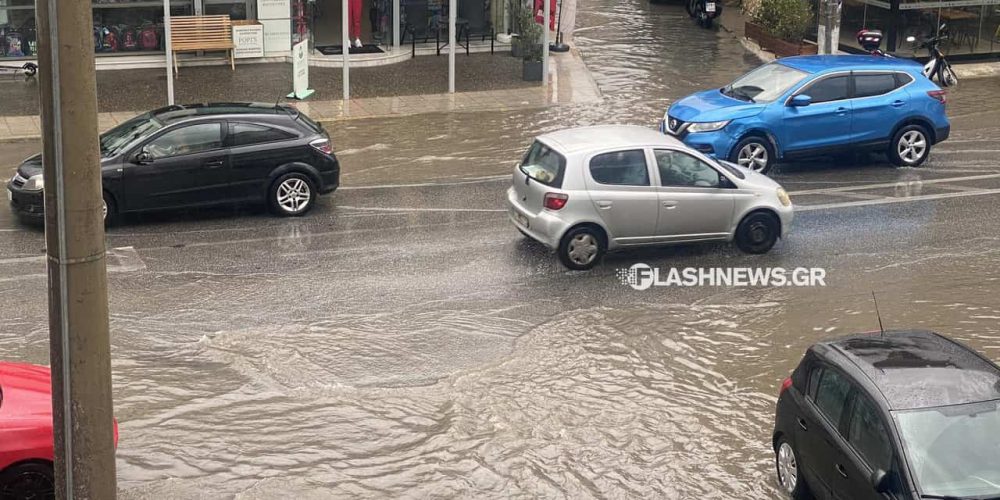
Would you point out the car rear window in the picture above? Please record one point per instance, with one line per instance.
(309, 123)
(544, 164)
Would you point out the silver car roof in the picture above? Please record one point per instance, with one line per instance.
(602, 137)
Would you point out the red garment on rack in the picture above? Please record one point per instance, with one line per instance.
(540, 13)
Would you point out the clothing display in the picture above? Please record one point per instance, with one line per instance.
(354, 21)
(540, 13)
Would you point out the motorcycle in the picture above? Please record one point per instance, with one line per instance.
(937, 65)
(703, 11)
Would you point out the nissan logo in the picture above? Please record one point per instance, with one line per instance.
(673, 123)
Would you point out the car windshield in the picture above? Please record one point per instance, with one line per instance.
(115, 139)
(543, 164)
(953, 450)
(764, 84)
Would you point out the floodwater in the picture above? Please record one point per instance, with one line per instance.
(405, 342)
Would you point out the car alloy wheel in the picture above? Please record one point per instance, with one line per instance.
(911, 147)
(294, 195)
(788, 468)
(753, 156)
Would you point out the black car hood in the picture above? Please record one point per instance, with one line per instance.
(31, 166)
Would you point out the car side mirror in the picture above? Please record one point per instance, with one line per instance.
(880, 481)
(800, 100)
(143, 158)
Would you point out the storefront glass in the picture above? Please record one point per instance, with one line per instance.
(17, 28)
(973, 26)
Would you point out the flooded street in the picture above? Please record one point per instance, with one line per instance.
(403, 340)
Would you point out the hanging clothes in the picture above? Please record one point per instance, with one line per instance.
(540, 13)
(354, 22)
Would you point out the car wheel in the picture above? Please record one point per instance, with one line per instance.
(910, 146)
(789, 475)
(755, 153)
(109, 210)
(292, 194)
(28, 481)
(582, 248)
(758, 232)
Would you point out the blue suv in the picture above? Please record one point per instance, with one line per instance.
(812, 106)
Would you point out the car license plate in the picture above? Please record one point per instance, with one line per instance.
(710, 7)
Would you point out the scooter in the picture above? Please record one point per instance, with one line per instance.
(937, 66)
(29, 70)
(704, 11)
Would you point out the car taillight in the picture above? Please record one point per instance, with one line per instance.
(785, 385)
(940, 95)
(323, 145)
(555, 201)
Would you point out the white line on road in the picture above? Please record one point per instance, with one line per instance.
(859, 187)
(409, 209)
(476, 180)
(926, 197)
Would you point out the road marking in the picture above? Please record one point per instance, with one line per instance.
(860, 187)
(474, 180)
(926, 197)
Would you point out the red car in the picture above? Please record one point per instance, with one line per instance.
(26, 447)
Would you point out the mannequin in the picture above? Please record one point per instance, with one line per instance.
(354, 23)
(539, 16)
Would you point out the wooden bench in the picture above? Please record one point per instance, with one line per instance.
(194, 33)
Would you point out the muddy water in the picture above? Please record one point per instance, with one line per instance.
(356, 354)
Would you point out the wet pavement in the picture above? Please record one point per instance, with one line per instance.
(142, 89)
(403, 340)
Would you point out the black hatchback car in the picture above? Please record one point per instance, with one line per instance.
(200, 155)
(899, 415)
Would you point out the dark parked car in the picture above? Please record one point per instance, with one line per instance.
(899, 415)
(203, 154)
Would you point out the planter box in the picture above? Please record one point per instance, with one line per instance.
(532, 71)
(780, 48)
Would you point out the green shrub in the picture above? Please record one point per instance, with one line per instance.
(785, 19)
(531, 36)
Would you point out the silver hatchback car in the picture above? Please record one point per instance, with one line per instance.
(584, 191)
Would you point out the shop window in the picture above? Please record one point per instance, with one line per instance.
(123, 27)
(237, 11)
(17, 28)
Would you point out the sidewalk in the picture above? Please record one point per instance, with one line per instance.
(485, 83)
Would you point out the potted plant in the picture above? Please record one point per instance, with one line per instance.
(779, 25)
(514, 7)
(530, 43)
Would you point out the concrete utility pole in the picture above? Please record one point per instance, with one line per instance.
(452, 38)
(546, 14)
(74, 240)
(828, 37)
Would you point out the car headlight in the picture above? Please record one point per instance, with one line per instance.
(707, 126)
(783, 198)
(34, 183)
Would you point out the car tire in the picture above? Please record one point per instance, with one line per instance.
(786, 463)
(757, 153)
(758, 232)
(27, 480)
(292, 195)
(582, 248)
(910, 146)
(110, 210)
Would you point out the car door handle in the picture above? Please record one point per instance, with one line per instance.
(841, 111)
(604, 204)
(670, 205)
(842, 471)
(213, 163)
(898, 104)
(802, 424)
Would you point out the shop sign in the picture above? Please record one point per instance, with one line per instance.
(274, 9)
(946, 4)
(277, 36)
(300, 71)
(249, 40)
